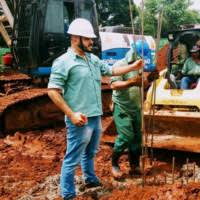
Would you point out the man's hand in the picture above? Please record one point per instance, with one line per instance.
(79, 119)
(118, 71)
(137, 65)
(153, 76)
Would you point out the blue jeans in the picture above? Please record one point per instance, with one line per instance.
(186, 82)
(82, 145)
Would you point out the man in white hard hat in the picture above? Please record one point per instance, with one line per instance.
(77, 75)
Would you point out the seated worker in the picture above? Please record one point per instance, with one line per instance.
(179, 55)
(191, 69)
(182, 53)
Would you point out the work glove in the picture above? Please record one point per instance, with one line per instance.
(153, 76)
(137, 81)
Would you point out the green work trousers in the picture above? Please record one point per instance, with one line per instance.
(129, 131)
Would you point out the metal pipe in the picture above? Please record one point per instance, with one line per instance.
(173, 167)
(187, 169)
(165, 177)
(133, 30)
(143, 170)
(154, 179)
(194, 171)
(142, 88)
(153, 116)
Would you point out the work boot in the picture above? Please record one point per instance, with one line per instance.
(90, 185)
(134, 162)
(135, 171)
(115, 165)
(93, 184)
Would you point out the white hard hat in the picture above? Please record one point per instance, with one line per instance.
(81, 27)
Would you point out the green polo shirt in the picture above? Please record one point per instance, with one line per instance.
(80, 81)
(191, 68)
(128, 99)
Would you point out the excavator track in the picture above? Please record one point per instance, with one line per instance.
(11, 82)
(27, 110)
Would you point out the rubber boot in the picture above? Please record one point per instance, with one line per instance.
(115, 165)
(134, 162)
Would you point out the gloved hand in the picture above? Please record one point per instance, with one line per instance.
(153, 76)
(135, 81)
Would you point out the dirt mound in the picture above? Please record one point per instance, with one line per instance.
(167, 192)
(30, 166)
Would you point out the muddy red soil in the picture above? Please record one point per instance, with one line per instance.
(30, 166)
(13, 76)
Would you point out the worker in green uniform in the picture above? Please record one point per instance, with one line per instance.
(191, 69)
(127, 115)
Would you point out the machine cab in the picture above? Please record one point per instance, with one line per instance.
(180, 45)
(40, 29)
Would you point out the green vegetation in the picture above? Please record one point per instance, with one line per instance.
(163, 42)
(175, 13)
(115, 12)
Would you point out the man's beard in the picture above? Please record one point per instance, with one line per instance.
(83, 48)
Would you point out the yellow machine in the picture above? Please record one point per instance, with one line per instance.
(172, 115)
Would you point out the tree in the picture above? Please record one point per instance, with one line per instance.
(175, 13)
(115, 12)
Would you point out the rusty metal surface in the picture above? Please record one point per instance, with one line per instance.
(162, 58)
(175, 123)
(174, 130)
(174, 142)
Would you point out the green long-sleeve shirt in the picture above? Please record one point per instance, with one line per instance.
(80, 81)
(191, 68)
(128, 99)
